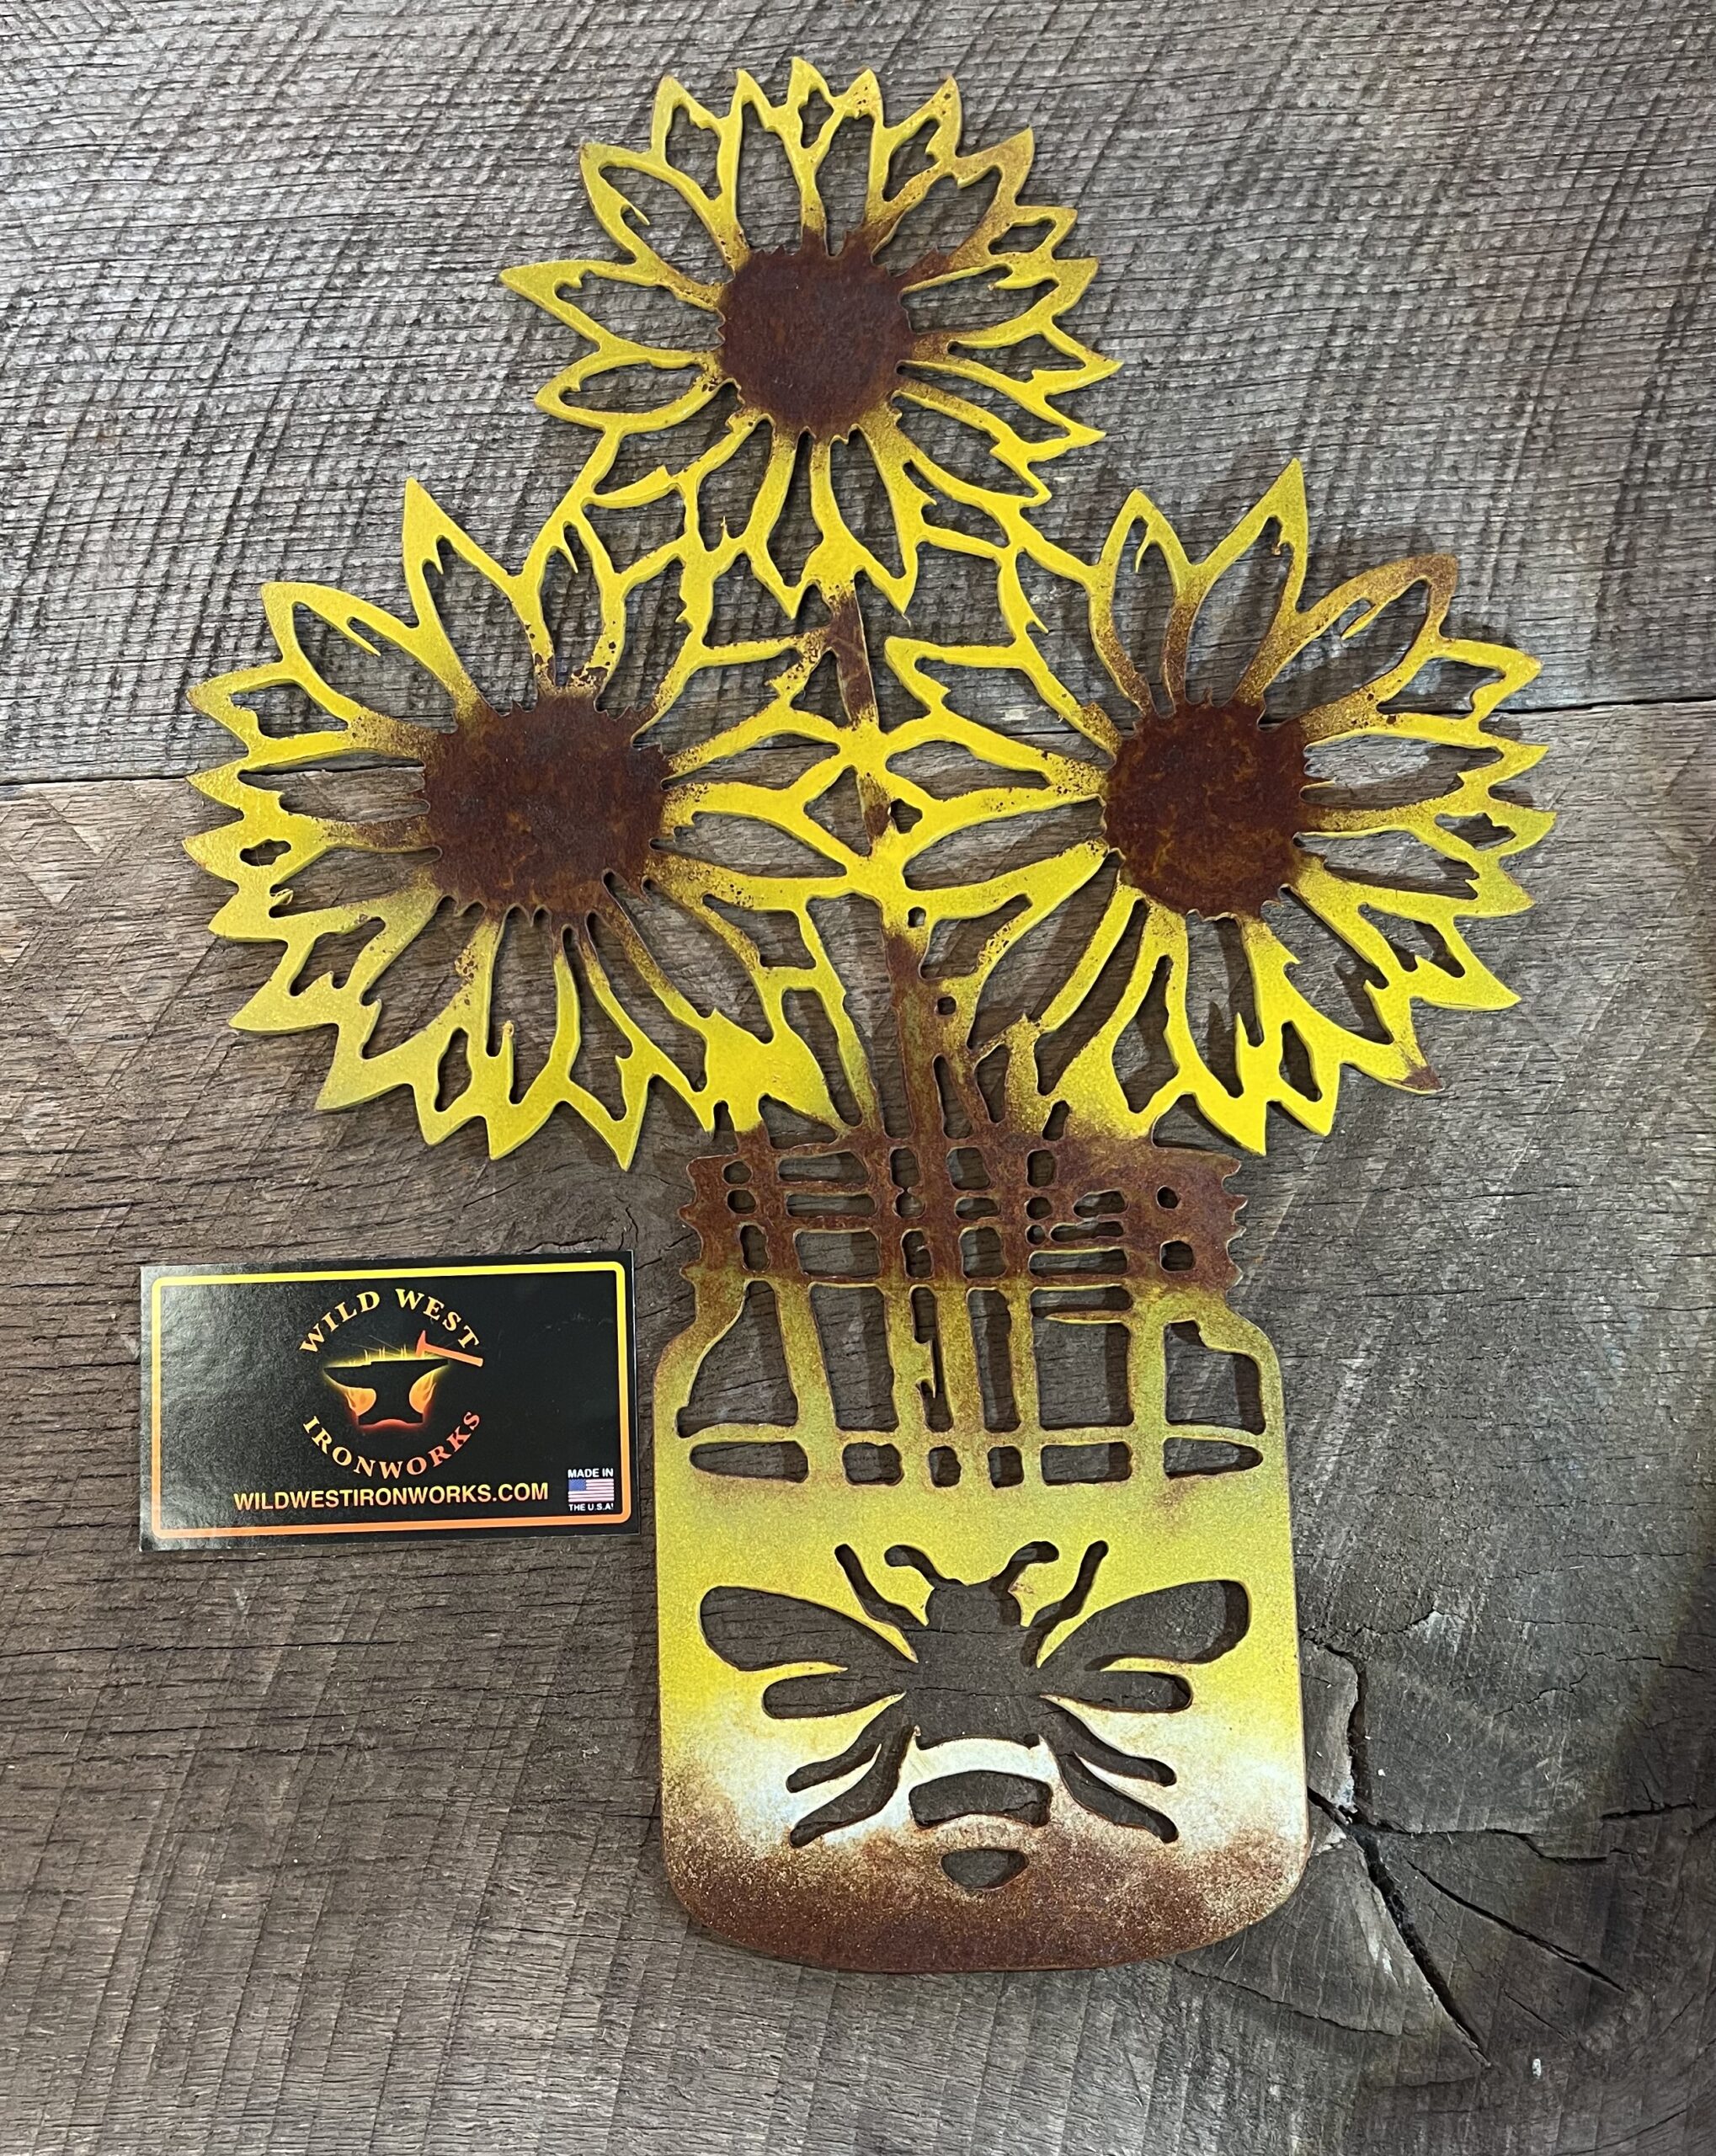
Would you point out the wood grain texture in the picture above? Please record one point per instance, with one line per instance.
(330, 1851)
(1459, 260)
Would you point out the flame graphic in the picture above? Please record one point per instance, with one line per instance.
(387, 1388)
(385, 1368)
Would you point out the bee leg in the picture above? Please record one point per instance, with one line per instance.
(875, 1606)
(867, 1795)
(1096, 1795)
(1070, 1603)
(859, 1752)
(1061, 1728)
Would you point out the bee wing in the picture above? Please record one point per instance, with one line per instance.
(1197, 1622)
(754, 1629)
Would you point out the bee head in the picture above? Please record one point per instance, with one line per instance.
(973, 1605)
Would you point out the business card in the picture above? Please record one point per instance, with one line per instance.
(480, 1395)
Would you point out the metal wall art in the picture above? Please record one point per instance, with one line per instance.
(982, 1652)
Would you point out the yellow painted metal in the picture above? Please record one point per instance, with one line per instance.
(459, 1065)
(1464, 823)
(955, 371)
(1092, 1885)
(875, 1895)
(815, 365)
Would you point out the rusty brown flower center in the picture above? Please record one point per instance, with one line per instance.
(812, 339)
(532, 808)
(1203, 808)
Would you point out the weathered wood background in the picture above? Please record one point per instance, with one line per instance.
(344, 1849)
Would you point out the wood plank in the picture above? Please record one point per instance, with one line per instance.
(327, 1851)
(355, 1849)
(1459, 262)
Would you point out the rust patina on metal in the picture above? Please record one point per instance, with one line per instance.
(1204, 806)
(981, 1653)
(816, 341)
(1030, 1512)
(534, 809)
(885, 1910)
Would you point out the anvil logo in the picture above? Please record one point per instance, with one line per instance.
(393, 1388)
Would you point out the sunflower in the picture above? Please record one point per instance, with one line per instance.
(1231, 808)
(556, 822)
(853, 345)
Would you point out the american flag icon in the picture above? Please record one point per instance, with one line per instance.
(590, 1486)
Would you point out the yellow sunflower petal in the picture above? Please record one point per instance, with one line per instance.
(459, 1065)
(1008, 242)
(1286, 1052)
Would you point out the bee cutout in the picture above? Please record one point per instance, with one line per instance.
(976, 1669)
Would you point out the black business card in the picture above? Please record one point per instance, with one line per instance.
(391, 1399)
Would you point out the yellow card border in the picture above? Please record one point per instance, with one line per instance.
(563, 1521)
